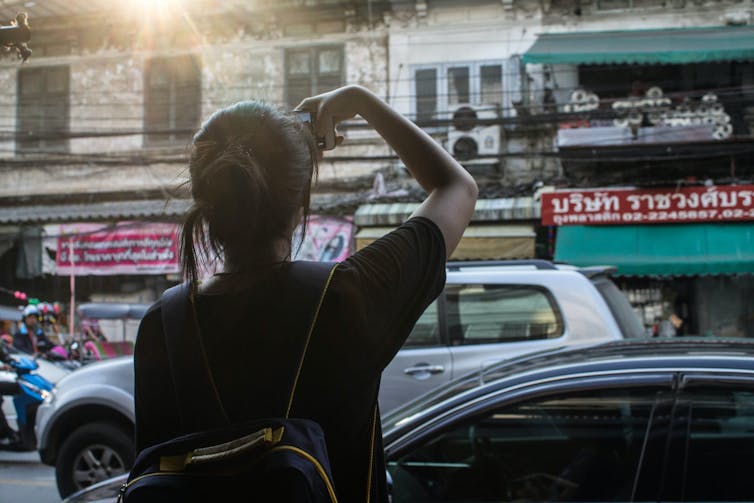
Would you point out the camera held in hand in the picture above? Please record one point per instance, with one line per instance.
(322, 142)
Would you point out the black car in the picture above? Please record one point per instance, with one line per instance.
(641, 420)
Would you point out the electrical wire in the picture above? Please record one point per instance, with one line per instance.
(725, 95)
(441, 78)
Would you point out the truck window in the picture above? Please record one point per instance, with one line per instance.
(628, 321)
(486, 314)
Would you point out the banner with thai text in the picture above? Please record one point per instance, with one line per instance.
(125, 248)
(648, 206)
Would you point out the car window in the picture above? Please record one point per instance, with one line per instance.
(574, 447)
(426, 332)
(482, 314)
(628, 321)
(713, 446)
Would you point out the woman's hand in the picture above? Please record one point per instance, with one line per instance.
(331, 108)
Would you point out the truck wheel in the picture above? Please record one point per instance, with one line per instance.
(92, 453)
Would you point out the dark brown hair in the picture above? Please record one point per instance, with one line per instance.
(251, 167)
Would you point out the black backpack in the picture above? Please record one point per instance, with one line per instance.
(278, 459)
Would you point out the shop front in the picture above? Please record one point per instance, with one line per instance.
(684, 256)
(500, 229)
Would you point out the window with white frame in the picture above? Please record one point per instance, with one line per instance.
(443, 87)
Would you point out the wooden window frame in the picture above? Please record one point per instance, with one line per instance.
(314, 74)
(174, 102)
(44, 100)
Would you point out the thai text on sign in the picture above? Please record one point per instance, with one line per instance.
(648, 206)
(127, 248)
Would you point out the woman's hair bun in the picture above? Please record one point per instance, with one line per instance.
(251, 167)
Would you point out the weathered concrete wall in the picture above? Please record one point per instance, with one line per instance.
(246, 60)
(86, 179)
(107, 95)
(8, 76)
(241, 71)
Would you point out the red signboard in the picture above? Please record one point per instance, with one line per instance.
(127, 248)
(648, 206)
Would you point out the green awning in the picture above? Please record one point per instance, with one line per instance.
(672, 46)
(661, 249)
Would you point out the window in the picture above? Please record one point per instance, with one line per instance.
(441, 88)
(490, 83)
(627, 319)
(713, 445)
(613, 4)
(426, 332)
(426, 93)
(459, 86)
(312, 71)
(628, 4)
(43, 107)
(173, 99)
(485, 314)
(584, 446)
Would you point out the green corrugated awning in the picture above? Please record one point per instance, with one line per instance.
(486, 210)
(660, 250)
(671, 46)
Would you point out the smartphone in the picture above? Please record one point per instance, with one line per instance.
(306, 118)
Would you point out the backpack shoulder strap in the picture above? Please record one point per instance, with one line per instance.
(315, 278)
(198, 401)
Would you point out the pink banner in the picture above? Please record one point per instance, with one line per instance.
(649, 206)
(328, 239)
(127, 248)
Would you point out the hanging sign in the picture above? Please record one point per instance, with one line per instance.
(126, 248)
(648, 206)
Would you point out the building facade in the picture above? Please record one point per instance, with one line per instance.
(533, 97)
(655, 110)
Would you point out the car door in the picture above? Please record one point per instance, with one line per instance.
(490, 322)
(712, 448)
(592, 442)
(422, 364)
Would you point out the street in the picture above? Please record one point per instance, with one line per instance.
(23, 478)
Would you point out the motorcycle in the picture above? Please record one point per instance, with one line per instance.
(32, 391)
(60, 356)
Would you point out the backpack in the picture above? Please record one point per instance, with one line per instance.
(279, 459)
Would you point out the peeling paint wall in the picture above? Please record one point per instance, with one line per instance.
(246, 60)
(8, 78)
(106, 96)
(107, 93)
(236, 72)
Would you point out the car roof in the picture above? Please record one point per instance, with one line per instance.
(733, 354)
(527, 265)
(113, 310)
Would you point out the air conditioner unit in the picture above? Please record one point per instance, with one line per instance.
(474, 131)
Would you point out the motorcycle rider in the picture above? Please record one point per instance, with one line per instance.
(30, 335)
(8, 436)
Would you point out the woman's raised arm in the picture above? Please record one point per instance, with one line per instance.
(452, 192)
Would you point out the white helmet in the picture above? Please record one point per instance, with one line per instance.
(31, 310)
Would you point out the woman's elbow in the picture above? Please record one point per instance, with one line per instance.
(472, 188)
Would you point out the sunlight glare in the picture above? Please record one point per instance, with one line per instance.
(160, 8)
